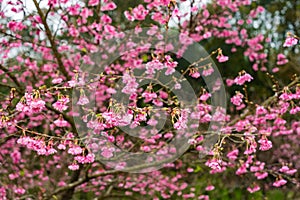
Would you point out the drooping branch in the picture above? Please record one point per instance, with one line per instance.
(266, 103)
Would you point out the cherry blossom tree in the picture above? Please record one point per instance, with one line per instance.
(99, 101)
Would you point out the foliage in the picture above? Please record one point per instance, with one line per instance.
(106, 99)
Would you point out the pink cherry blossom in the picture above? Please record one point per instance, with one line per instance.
(83, 100)
(139, 12)
(75, 150)
(210, 188)
(237, 99)
(214, 164)
(253, 189)
(61, 104)
(61, 122)
(265, 144)
(73, 167)
(233, 154)
(207, 71)
(107, 153)
(261, 175)
(222, 58)
(93, 2)
(281, 59)
(108, 6)
(279, 183)
(290, 41)
(240, 80)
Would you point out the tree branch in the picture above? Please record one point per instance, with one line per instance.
(57, 55)
(266, 103)
(108, 172)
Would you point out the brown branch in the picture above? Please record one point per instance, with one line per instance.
(266, 103)
(57, 55)
(108, 172)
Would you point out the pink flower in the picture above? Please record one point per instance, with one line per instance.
(222, 58)
(182, 121)
(237, 99)
(154, 65)
(204, 197)
(240, 80)
(185, 39)
(210, 188)
(83, 100)
(41, 151)
(205, 96)
(284, 169)
(281, 59)
(111, 119)
(265, 144)
(261, 175)
(287, 170)
(107, 153)
(290, 41)
(51, 151)
(75, 150)
(72, 83)
(213, 164)
(61, 183)
(241, 170)
(139, 12)
(254, 189)
(149, 96)
(37, 105)
(190, 170)
(291, 171)
(57, 80)
(93, 2)
(90, 158)
(128, 16)
(19, 191)
(146, 148)
(195, 74)
(163, 95)
(15, 26)
(60, 105)
(233, 154)
(286, 96)
(157, 102)
(22, 107)
(207, 71)
(260, 110)
(177, 86)
(61, 123)
(73, 167)
(131, 84)
(229, 82)
(192, 141)
(109, 6)
(279, 183)
(61, 147)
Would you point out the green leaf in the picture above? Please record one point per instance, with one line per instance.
(145, 58)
